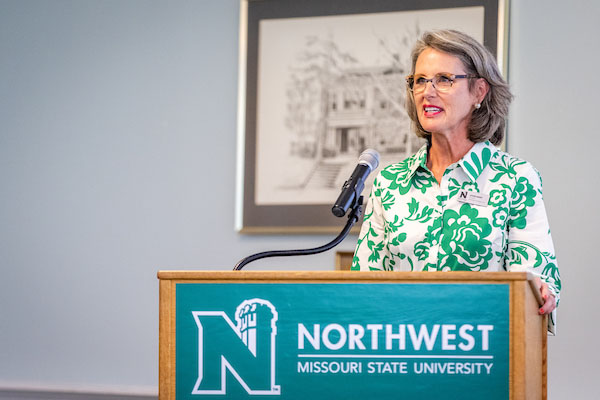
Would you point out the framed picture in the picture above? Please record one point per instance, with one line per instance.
(322, 80)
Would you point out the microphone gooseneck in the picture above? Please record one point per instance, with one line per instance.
(349, 198)
(352, 219)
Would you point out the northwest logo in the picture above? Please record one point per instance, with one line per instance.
(245, 348)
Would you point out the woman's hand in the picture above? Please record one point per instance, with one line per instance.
(547, 296)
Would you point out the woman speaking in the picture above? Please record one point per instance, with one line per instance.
(459, 203)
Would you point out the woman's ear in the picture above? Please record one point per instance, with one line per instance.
(482, 87)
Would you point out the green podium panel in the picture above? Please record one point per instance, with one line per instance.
(350, 341)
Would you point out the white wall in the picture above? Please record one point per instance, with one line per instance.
(554, 124)
(117, 158)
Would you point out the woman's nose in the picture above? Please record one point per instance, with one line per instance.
(429, 89)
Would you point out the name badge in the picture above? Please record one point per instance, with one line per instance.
(478, 199)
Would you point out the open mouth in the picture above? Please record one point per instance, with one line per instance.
(432, 110)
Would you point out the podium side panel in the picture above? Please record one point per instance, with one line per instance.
(535, 335)
(166, 356)
(517, 340)
(545, 361)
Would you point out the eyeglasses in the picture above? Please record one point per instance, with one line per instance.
(441, 82)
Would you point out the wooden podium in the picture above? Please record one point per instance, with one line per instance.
(340, 334)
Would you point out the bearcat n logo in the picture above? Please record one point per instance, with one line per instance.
(245, 348)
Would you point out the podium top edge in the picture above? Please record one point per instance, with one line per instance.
(342, 276)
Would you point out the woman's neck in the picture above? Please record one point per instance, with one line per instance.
(445, 151)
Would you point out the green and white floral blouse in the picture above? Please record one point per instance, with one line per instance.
(487, 214)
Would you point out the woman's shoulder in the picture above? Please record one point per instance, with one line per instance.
(508, 166)
(401, 165)
(404, 168)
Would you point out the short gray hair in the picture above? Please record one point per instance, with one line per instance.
(487, 122)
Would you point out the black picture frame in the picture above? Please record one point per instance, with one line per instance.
(317, 218)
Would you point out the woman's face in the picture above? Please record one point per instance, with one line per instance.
(442, 112)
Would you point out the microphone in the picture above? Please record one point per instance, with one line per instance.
(353, 187)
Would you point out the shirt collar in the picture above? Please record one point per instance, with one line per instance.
(476, 159)
(418, 160)
(473, 163)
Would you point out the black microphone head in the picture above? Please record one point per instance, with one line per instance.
(370, 158)
(367, 163)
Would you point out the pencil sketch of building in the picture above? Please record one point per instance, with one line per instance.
(329, 87)
(354, 109)
(364, 111)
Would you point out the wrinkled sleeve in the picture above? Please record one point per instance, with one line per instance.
(370, 248)
(529, 245)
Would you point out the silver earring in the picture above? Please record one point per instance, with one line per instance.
(478, 106)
